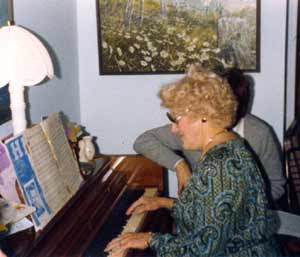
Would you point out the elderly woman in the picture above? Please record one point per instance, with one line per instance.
(222, 211)
(164, 147)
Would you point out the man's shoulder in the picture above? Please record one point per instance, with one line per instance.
(254, 124)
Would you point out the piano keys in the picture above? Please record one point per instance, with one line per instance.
(119, 223)
(87, 220)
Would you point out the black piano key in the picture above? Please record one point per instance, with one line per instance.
(114, 224)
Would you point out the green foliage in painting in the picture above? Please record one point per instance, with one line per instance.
(146, 36)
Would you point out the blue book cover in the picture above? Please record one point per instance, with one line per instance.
(28, 182)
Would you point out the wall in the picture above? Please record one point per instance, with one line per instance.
(118, 108)
(54, 22)
(269, 83)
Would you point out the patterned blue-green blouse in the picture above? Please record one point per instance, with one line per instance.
(223, 209)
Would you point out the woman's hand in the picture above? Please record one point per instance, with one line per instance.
(183, 174)
(117, 246)
(146, 203)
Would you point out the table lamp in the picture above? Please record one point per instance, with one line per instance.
(24, 61)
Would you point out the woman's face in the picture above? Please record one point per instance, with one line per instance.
(190, 132)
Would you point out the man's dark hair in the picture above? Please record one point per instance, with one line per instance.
(241, 88)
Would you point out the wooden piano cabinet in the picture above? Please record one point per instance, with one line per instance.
(141, 172)
(74, 227)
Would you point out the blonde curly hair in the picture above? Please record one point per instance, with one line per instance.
(201, 94)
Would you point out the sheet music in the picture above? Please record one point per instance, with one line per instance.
(7, 177)
(68, 166)
(45, 167)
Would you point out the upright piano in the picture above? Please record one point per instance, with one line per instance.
(96, 213)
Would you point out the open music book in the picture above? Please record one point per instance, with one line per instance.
(46, 169)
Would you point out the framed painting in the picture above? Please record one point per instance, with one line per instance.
(166, 36)
(5, 113)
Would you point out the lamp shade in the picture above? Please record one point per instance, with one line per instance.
(23, 58)
(24, 61)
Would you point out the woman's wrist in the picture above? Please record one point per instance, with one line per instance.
(182, 166)
(177, 163)
(150, 235)
(166, 202)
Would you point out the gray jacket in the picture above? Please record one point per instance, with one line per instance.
(164, 147)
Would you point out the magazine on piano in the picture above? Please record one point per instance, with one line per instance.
(45, 157)
(28, 182)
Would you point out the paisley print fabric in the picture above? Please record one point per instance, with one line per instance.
(223, 209)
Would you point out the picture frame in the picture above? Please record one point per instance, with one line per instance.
(5, 113)
(166, 36)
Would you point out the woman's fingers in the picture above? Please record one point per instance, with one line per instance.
(113, 244)
(119, 242)
(139, 209)
(118, 253)
(134, 240)
(136, 205)
(125, 241)
(143, 204)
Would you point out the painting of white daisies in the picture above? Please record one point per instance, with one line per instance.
(166, 36)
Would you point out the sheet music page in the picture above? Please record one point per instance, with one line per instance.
(45, 168)
(67, 164)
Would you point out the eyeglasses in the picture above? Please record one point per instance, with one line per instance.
(173, 119)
